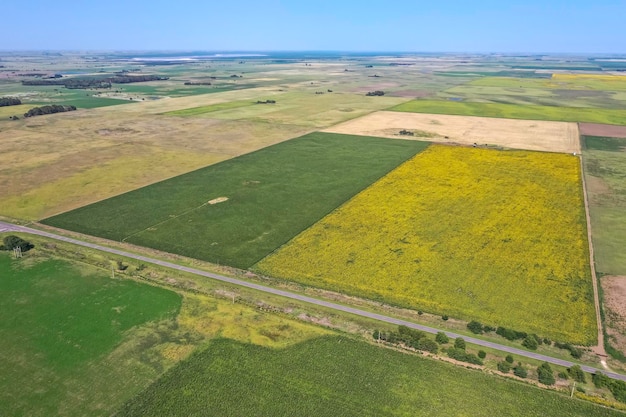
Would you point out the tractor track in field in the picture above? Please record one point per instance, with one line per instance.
(7, 227)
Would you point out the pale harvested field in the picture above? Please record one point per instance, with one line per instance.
(509, 133)
(54, 163)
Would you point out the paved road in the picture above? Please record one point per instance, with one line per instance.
(519, 352)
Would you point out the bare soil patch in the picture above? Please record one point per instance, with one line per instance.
(509, 133)
(595, 129)
(614, 288)
(218, 200)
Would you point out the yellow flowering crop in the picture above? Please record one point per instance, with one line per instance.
(493, 236)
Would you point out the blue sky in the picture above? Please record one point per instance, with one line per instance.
(432, 26)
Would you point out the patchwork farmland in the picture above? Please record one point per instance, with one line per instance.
(265, 198)
(519, 134)
(292, 172)
(479, 234)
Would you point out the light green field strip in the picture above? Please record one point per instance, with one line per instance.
(513, 111)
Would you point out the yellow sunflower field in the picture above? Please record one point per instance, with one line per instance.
(479, 234)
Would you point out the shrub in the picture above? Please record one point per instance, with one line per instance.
(563, 375)
(475, 327)
(600, 380)
(510, 334)
(442, 338)
(459, 343)
(461, 355)
(427, 345)
(482, 354)
(577, 373)
(545, 375)
(520, 371)
(504, 367)
(509, 359)
(445, 317)
(13, 241)
(530, 343)
(574, 351)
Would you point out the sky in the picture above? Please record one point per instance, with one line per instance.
(365, 25)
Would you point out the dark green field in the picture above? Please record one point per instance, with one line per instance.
(59, 324)
(605, 170)
(513, 111)
(335, 376)
(273, 194)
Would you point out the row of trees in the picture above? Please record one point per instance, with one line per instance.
(375, 93)
(55, 108)
(409, 338)
(95, 82)
(529, 341)
(9, 101)
(11, 242)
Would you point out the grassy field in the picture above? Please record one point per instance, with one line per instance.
(605, 169)
(560, 90)
(494, 236)
(320, 377)
(74, 342)
(558, 82)
(59, 321)
(272, 195)
(195, 111)
(511, 111)
(55, 163)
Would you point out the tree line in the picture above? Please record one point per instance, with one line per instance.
(95, 82)
(9, 101)
(54, 108)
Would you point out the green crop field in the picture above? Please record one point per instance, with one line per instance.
(559, 82)
(335, 376)
(273, 194)
(512, 111)
(195, 111)
(59, 326)
(605, 169)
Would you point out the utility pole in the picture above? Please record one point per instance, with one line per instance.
(572, 393)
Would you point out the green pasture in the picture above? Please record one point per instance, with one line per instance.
(559, 83)
(511, 111)
(305, 108)
(273, 194)
(337, 376)
(605, 169)
(195, 111)
(535, 96)
(60, 325)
